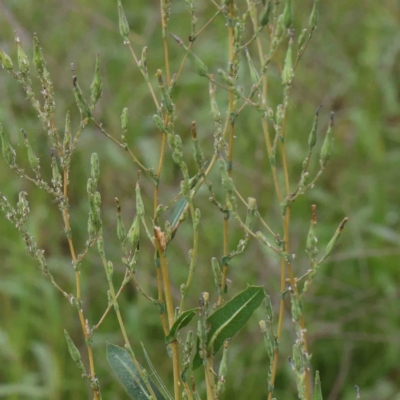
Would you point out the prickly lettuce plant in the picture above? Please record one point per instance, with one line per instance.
(260, 36)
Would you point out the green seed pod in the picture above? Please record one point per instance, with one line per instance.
(143, 61)
(312, 138)
(251, 210)
(279, 114)
(56, 179)
(227, 182)
(121, 233)
(304, 180)
(280, 28)
(327, 147)
(110, 271)
(268, 308)
(139, 201)
(100, 245)
(95, 168)
(265, 13)
(197, 216)
(38, 59)
(22, 204)
(317, 394)
(288, 13)
(122, 22)
(6, 61)
(133, 235)
(214, 105)
(333, 241)
(311, 247)
(216, 272)
(298, 357)
(23, 63)
(199, 66)
(166, 98)
(73, 350)
(287, 73)
(159, 123)
(97, 84)
(202, 332)
(197, 152)
(90, 187)
(124, 125)
(255, 78)
(177, 155)
(268, 341)
(80, 100)
(301, 40)
(92, 231)
(67, 134)
(42, 261)
(297, 307)
(9, 153)
(314, 17)
(223, 370)
(311, 244)
(33, 160)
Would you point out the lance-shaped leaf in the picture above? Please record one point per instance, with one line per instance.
(180, 323)
(121, 363)
(230, 319)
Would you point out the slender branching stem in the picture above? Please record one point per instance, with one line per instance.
(153, 95)
(123, 284)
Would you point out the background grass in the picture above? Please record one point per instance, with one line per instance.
(352, 313)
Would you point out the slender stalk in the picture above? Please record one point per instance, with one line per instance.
(210, 381)
(124, 282)
(193, 258)
(170, 312)
(86, 333)
(153, 95)
(230, 151)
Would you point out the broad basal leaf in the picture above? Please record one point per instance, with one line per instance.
(122, 365)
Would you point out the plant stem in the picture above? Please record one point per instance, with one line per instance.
(230, 151)
(193, 258)
(170, 313)
(124, 282)
(86, 334)
(210, 381)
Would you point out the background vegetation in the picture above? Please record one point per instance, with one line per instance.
(353, 318)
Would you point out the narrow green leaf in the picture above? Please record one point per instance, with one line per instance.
(180, 323)
(155, 373)
(228, 320)
(178, 211)
(122, 365)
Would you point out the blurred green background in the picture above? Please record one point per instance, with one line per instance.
(352, 312)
